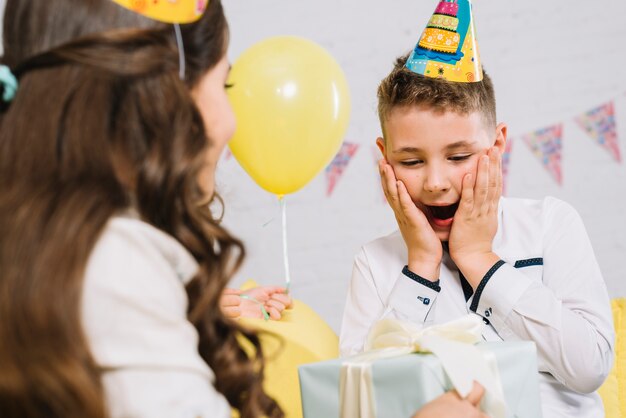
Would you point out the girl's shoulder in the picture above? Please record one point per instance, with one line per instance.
(129, 242)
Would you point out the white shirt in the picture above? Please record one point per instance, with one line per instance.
(134, 313)
(556, 297)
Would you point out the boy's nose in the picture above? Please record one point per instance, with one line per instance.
(436, 181)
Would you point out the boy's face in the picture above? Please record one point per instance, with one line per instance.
(430, 153)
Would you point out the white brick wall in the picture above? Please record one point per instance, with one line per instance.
(549, 61)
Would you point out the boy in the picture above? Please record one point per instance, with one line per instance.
(526, 267)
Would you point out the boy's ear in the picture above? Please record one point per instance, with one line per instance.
(501, 132)
(380, 143)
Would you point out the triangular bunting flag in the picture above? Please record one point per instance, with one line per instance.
(335, 169)
(599, 123)
(546, 145)
(506, 160)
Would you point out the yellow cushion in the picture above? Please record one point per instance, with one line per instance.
(303, 337)
(613, 391)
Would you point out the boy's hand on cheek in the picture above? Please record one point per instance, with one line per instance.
(476, 220)
(424, 247)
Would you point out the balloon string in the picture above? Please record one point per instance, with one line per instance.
(283, 209)
(266, 316)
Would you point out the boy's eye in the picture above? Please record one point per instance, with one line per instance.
(462, 157)
(409, 163)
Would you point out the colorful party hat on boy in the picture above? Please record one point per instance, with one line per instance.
(448, 48)
(168, 11)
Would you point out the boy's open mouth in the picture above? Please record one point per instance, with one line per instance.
(442, 215)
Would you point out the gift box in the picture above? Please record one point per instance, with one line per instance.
(401, 385)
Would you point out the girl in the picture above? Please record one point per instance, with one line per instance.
(111, 263)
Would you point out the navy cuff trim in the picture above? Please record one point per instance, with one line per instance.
(432, 285)
(529, 262)
(483, 283)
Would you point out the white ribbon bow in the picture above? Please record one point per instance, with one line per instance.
(452, 342)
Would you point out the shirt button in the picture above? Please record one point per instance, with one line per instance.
(486, 321)
(425, 301)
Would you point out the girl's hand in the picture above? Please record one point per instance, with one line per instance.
(451, 405)
(230, 303)
(273, 298)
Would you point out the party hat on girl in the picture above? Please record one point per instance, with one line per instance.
(447, 48)
(168, 11)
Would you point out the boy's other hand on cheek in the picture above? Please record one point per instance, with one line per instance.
(424, 247)
(476, 220)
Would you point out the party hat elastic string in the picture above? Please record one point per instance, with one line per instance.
(181, 51)
(170, 11)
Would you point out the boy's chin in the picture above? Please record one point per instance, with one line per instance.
(443, 233)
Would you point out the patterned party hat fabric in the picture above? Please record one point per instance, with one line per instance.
(599, 123)
(337, 166)
(168, 11)
(546, 144)
(448, 48)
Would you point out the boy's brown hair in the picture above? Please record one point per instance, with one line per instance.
(402, 87)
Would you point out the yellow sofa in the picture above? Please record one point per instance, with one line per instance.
(613, 391)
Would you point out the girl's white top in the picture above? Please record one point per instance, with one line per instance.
(134, 313)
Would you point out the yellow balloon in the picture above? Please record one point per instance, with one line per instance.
(292, 105)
